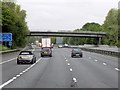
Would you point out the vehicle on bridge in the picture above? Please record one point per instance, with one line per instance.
(26, 57)
(76, 52)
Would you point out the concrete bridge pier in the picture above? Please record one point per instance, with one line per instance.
(98, 41)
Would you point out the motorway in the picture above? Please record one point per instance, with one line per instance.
(60, 71)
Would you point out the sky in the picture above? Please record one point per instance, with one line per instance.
(58, 15)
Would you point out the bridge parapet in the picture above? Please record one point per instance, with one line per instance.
(68, 34)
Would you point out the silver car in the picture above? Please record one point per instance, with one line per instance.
(26, 57)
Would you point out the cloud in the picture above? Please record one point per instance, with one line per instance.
(65, 14)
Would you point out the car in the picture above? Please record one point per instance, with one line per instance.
(46, 52)
(60, 46)
(65, 45)
(76, 52)
(26, 57)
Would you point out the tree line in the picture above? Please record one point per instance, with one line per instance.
(110, 26)
(13, 21)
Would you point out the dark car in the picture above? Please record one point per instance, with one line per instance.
(46, 52)
(26, 57)
(76, 52)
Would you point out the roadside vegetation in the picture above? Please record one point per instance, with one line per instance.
(110, 26)
(13, 21)
(4, 48)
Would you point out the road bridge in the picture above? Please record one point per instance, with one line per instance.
(87, 34)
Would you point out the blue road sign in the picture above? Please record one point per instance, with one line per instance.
(5, 36)
(0, 36)
(10, 43)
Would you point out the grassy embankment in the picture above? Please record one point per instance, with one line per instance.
(4, 48)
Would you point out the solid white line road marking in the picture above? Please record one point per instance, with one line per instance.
(6, 83)
(27, 69)
(8, 60)
(96, 60)
(71, 69)
(104, 64)
(75, 80)
(14, 78)
(11, 80)
(68, 64)
(117, 69)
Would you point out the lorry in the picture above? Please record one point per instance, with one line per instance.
(46, 43)
(46, 47)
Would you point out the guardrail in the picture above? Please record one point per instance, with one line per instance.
(111, 53)
(15, 50)
(8, 51)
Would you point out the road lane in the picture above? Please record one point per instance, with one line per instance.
(112, 62)
(11, 69)
(48, 73)
(86, 71)
(55, 72)
(8, 56)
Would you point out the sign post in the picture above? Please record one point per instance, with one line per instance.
(10, 44)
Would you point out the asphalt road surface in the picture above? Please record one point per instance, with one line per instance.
(60, 71)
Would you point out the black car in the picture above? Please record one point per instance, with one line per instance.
(76, 52)
(26, 57)
(46, 52)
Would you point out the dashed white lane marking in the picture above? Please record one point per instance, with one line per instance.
(75, 80)
(17, 75)
(11, 80)
(68, 64)
(66, 60)
(21, 73)
(8, 60)
(14, 78)
(104, 64)
(96, 60)
(71, 69)
(117, 69)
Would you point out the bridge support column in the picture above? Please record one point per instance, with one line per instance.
(98, 40)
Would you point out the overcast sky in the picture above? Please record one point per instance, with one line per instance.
(65, 14)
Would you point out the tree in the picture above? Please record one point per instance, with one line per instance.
(92, 27)
(111, 27)
(80, 40)
(13, 21)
